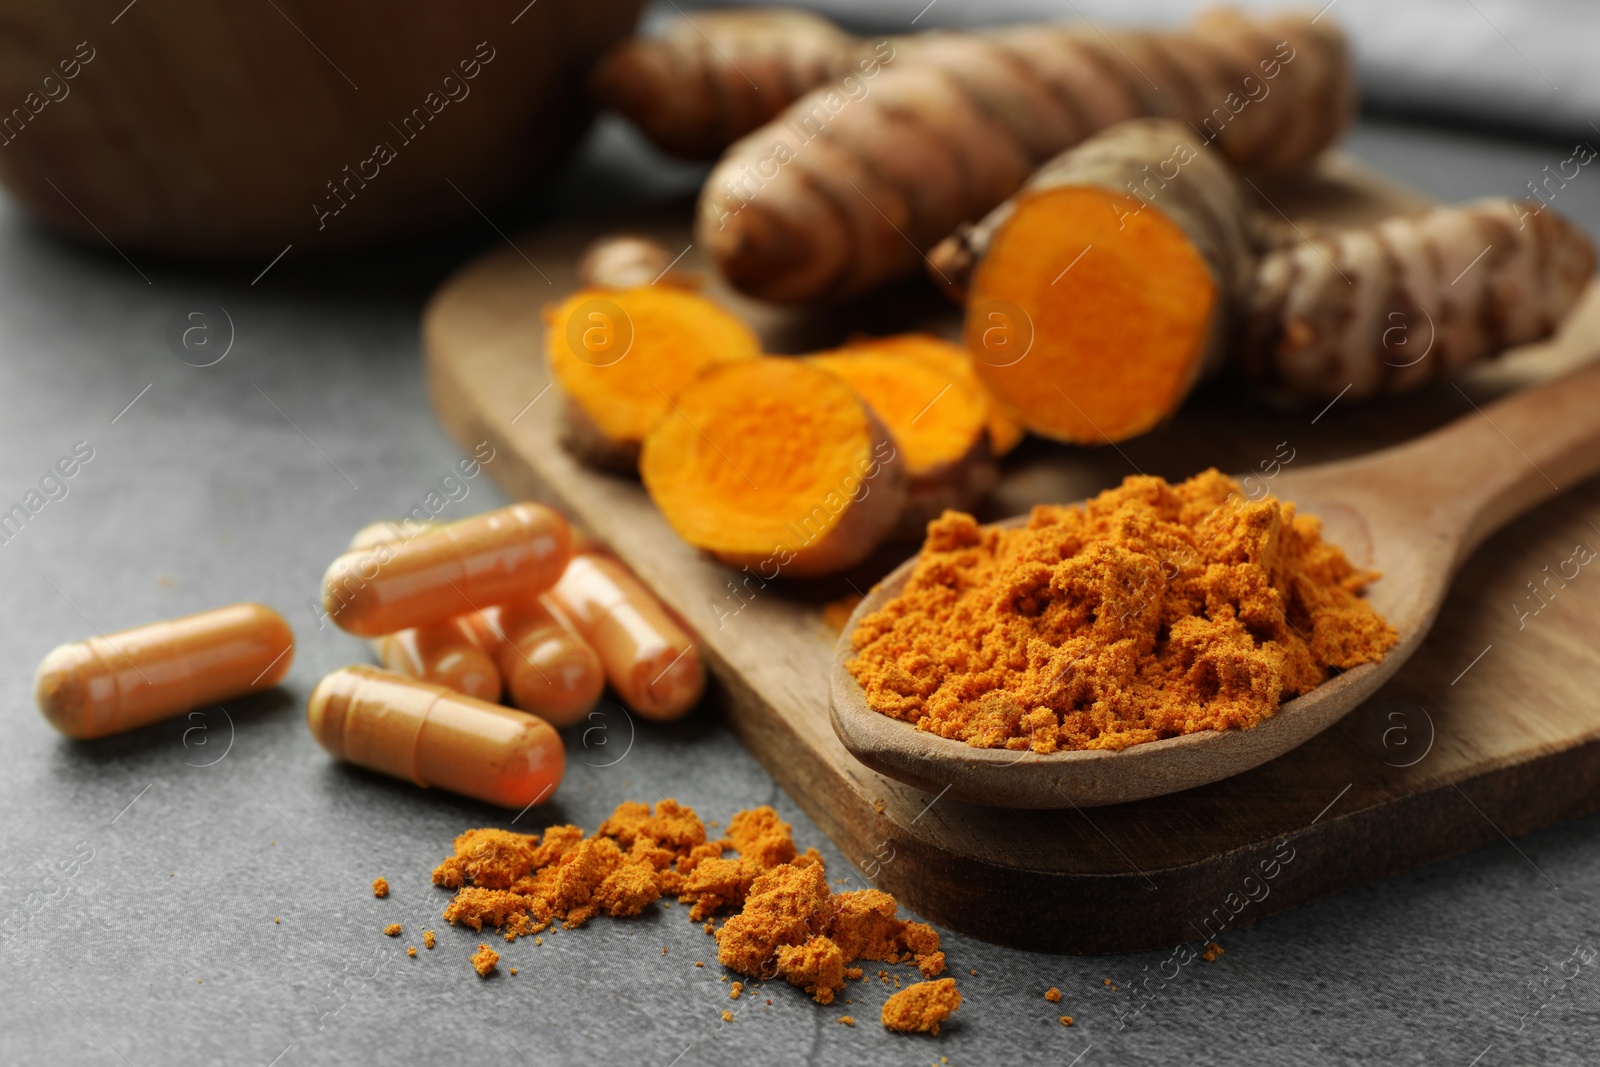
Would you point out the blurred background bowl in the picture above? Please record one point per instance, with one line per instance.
(223, 131)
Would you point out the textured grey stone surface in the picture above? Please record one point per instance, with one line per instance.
(140, 876)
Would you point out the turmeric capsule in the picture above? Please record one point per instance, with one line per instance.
(550, 670)
(651, 663)
(389, 531)
(421, 731)
(439, 574)
(106, 685)
(448, 652)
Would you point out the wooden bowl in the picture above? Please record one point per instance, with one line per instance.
(225, 130)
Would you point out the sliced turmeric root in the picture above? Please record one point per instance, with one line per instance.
(938, 422)
(777, 465)
(1005, 433)
(1105, 290)
(621, 355)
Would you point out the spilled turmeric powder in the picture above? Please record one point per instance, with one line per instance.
(784, 922)
(1150, 611)
(920, 1008)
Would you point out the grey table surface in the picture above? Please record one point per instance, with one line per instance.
(142, 877)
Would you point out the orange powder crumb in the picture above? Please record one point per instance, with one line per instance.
(921, 1007)
(792, 920)
(1066, 1020)
(380, 886)
(521, 883)
(513, 970)
(1152, 610)
(1211, 953)
(1053, 995)
(277, 919)
(663, 950)
(727, 1016)
(427, 938)
(787, 922)
(411, 950)
(846, 1020)
(484, 959)
(393, 929)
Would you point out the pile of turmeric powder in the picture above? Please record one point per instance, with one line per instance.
(1153, 610)
(785, 921)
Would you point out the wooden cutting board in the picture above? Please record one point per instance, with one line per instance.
(1490, 732)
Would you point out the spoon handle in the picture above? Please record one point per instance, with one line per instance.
(1486, 468)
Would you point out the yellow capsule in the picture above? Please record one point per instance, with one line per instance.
(550, 670)
(421, 731)
(651, 663)
(106, 685)
(439, 574)
(449, 652)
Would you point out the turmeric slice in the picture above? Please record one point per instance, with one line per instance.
(1435, 292)
(1105, 290)
(621, 356)
(841, 193)
(1005, 433)
(775, 464)
(939, 424)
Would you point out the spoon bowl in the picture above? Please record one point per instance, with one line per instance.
(1413, 512)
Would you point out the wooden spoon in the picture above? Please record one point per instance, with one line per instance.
(1414, 512)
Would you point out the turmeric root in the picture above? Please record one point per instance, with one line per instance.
(845, 190)
(1005, 433)
(628, 261)
(938, 422)
(1104, 291)
(620, 356)
(707, 82)
(777, 465)
(1392, 306)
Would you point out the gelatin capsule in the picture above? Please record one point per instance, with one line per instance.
(549, 669)
(426, 733)
(448, 652)
(388, 531)
(652, 664)
(468, 565)
(106, 685)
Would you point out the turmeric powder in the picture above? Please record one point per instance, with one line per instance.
(1150, 611)
(787, 923)
(921, 1007)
